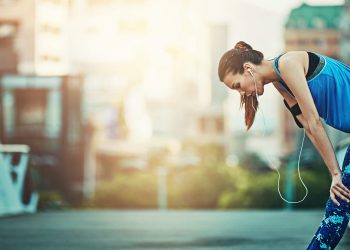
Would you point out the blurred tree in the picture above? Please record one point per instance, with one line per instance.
(135, 190)
(253, 162)
(199, 187)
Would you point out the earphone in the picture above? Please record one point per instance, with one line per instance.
(279, 176)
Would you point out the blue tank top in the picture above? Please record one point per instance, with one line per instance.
(330, 90)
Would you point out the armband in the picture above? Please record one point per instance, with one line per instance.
(295, 110)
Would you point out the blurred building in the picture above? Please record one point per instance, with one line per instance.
(314, 28)
(129, 56)
(33, 37)
(8, 53)
(211, 118)
(345, 33)
(226, 117)
(147, 73)
(40, 105)
(45, 114)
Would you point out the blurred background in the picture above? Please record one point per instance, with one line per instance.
(117, 104)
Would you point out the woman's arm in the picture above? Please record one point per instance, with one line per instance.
(291, 102)
(337, 186)
(314, 130)
(292, 71)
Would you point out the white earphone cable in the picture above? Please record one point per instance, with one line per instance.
(279, 176)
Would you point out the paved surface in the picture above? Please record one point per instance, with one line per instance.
(151, 229)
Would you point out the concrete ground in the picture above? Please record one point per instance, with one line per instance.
(152, 229)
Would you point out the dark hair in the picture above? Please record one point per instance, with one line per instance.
(232, 61)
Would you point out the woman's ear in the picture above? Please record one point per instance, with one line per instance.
(247, 67)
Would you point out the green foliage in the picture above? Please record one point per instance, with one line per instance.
(253, 191)
(199, 187)
(261, 191)
(212, 184)
(209, 153)
(136, 190)
(252, 161)
(158, 157)
(318, 184)
(49, 200)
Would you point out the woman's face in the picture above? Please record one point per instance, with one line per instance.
(244, 83)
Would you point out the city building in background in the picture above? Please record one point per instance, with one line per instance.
(97, 87)
(225, 32)
(41, 105)
(45, 114)
(8, 53)
(345, 33)
(315, 28)
(147, 82)
(33, 37)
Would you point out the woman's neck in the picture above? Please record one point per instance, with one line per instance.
(267, 72)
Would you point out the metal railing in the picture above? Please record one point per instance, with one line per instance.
(12, 181)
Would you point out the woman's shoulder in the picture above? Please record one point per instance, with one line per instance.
(300, 57)
(293, 55)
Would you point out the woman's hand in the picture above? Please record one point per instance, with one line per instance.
(338, 189)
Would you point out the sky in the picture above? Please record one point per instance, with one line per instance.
(285, 5)
(259, 23)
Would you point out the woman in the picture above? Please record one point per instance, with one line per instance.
(313, 86)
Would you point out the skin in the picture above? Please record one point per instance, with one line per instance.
(293, 67)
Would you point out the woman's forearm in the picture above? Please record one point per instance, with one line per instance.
(320, 140)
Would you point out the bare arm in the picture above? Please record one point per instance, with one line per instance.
(293, 75)
(291, 102)
(337, 187)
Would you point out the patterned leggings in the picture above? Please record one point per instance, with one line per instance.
(336, 218)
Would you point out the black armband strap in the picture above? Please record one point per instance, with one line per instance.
(295, 110)
(286, 104)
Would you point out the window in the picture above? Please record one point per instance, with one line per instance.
(47, 28)
(318, 23)
(301, 23)
(8, 29)
(47, 57)
(32, 111)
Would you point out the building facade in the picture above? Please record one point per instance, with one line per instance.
(315, 28)
(33, 37)
(345, 33)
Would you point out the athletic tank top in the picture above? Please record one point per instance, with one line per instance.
(329, 85)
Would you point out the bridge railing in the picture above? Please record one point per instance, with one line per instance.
(15, 190)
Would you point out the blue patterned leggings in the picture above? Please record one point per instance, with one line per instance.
(336, 218)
